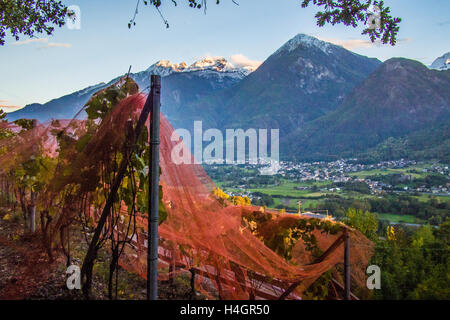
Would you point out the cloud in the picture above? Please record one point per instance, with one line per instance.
(45, 43)
(56, 45)
(28, 41)
(359, 43)
(240, 60)
(7, 108)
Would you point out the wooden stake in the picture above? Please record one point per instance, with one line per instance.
(347, 265)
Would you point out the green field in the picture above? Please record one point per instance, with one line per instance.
(286, 188)
(426, 197)
(397, 218)
(364, 174)
(285, 194)
(292, 203)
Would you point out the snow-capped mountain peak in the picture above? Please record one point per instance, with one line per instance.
(442, 63)
(307, 41)
(206, 65)
(218, 64)
(165, 67)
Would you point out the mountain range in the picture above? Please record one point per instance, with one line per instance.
(181, 84)
(401, 99)
(328, 102)
(303, 80)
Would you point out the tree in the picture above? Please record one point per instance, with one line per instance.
(443, 232)
(241, 201)
(415, 266)
(423, 237)
(365, 222)
(21, 17)
(4, 130)
(350, 13)
(2, 116)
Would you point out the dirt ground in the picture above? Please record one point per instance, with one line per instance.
(25, 271)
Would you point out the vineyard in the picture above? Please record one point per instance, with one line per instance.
(63, 178)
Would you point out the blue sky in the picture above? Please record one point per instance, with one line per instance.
(104, 47)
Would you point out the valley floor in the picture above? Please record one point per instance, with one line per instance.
(398, 191)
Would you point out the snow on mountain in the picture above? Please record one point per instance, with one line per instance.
(165, 68)
(205, 66)
(307, 41)
(442, 63)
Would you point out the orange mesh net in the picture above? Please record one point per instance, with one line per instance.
(217, 242)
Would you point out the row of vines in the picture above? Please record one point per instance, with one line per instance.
(59, 176)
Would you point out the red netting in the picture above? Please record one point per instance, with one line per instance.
(200, 234)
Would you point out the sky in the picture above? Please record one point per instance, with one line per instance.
(47, 67)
